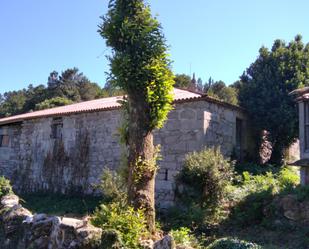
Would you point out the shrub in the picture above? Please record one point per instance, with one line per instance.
(5, 187)
(129, 223)
(288, 178)
(205, 176)
(228, 243)
(113, 186)
(182, 236)
(257, 191)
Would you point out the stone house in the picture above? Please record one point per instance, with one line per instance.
(65, 149)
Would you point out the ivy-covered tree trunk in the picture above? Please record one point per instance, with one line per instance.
(140, 66)
(141, 162)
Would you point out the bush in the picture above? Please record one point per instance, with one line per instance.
(113, 186)
(205, 176)
(129, 223)
(257, 191)
(288, 178)
(228, 243)
(5, 187)
(182, 236)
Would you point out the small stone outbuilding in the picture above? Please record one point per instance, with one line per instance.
(302, 97)
(65, 149)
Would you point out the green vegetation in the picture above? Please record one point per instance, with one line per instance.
(264, 91)
(62, 205)
(54, 102)
(244, 209)
(227, 243)
(205, 176)
(5, 187)
(240, 212)
(130, 225)
(140, 66)
(124, 224)
(184, 237)
(69, 87)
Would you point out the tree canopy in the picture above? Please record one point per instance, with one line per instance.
(264, 91)
(69, 87)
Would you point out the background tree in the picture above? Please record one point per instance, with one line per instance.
(219, 90)
(73, 85)
(34, 95)
(69, 87)
(139, 66)
(182, 80)
(264, 89)
(12, 103)
(53, 102)
(200, 85)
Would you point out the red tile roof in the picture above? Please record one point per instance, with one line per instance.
(89, 106)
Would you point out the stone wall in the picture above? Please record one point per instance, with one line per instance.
(67, 154)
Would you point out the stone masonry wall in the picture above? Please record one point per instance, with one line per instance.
(68, 155)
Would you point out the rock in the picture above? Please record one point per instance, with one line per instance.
(288, 207)
(147, 244)
(40, 231)
(166, 243)
(12, 224)
(9, 201)
(291, 208)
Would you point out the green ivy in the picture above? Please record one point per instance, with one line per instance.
(140, 64)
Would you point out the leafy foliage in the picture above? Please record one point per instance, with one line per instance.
(113, 186)
(53, 102)
(12, 103)
(264, 90)
(184, 237)
(206, 174)
(140, 64)
(222, 92)
(254, 192)
(130, 224)
(73, 85)
(229, 243)
(182, 80)
(5, 187)
(69, 87)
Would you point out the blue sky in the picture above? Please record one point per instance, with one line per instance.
(217, 38)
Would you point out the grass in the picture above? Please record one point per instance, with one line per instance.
(61, 205)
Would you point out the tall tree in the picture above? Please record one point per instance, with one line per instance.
(219, 90)
(141, 67)
(12, 103)
(73, 85)
(264, 89)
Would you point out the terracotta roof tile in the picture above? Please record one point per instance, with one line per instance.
(89, 106)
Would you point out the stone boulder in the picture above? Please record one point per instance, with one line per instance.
(166, 243)
(22, 230)
(290, 208)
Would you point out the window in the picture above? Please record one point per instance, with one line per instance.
(56, 128)
(4, 141)
(306, 124)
